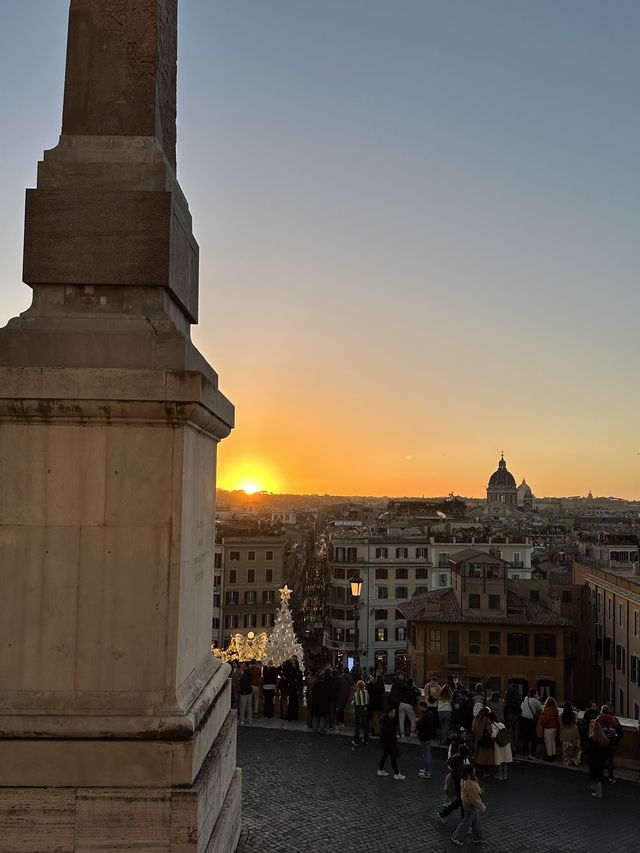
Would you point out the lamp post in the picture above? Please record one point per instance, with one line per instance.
(356, 589)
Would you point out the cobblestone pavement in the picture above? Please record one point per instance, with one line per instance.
(306, 793)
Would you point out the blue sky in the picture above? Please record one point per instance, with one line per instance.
(418, 225)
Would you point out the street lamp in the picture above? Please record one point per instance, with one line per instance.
(356, 589)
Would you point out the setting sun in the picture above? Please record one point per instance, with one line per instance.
(251, 488)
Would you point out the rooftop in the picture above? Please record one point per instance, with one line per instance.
(530, 612)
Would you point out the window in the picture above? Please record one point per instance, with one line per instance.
(231, 598)
(381, 635)
(269, 555)
(633, 666)
(382, 574)
(268, 575)
(534, 595)
(453, 647)
(250, 620)
(217, 580)
(621, 710)
(234, 555)
(443, 560)
(251, 555)
(216, 600)
(599, 599)
(518, 644)
(516, 561)
(636, 623)
(402, 574)
(382, 591)
(636, 711)
(215, 622)
(232, 576)
(268, 596)
(493, 573)
(493, 683)
(268, 620)
(251, 575)
(402, 592)
(474, 601)
(474, 642)
(494, 602)
(217, 561)
(495, 646)
(609, 608)
(352, 555)
(567, 596)
(443, 580)
(421, 553)
(402, 553)
(434, 640)
(231, 621)
(382, 553)
(339, 574)
(422, 574)
(250, 597)
(620, 616)
(475, 570)
(544, 645)
(401, 634)
(380, 613)
(621, 658)
(338, 634)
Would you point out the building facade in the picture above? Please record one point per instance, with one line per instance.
(615, 632)
(482, 630)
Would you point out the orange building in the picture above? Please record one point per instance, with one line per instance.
(480, 629)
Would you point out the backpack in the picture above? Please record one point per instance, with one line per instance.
(502, 738)
(611, 734)
(485, 740)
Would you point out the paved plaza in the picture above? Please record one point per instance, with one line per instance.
(306, 793)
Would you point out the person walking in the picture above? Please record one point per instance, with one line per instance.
(530, 709)
(569, 736)
(456, 764)
(360, 713)
(592, 713)
(547, 726)
(473, 807)
(389, 743)
(426, 729)
(246, 695)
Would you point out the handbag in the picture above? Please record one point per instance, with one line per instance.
(502, 738)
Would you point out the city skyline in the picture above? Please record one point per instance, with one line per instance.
(417, 228)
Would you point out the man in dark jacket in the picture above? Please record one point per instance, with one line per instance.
(426, 729)
(389, 743)
(611, 727)
(456, 766)
(345, 683)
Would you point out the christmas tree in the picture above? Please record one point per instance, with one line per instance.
(283, 643)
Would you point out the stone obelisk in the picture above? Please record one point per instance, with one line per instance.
(115, 728)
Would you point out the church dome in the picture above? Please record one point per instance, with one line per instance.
(502, 477)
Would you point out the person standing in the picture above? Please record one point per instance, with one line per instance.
(592, 713)
(512, 703)
(269, 681)
(375, 706)
(482, 732)
(321, 701)
(502, 754)
(426, 729)
(530, 709)
(445, 709)
(613, 731)
(569, 737)
(345, 683)
(597, 746)
(246, 695)
(496, 703)
(256, 684)
(548, 724)
(389, 743)
(236, 675)
(360, 713)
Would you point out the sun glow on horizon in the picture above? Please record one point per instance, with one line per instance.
(249, 475)
(251, 488)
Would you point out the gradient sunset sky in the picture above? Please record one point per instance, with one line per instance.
(419, 226)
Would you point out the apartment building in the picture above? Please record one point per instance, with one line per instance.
(481, 629)
(614, 627)
(393, 568)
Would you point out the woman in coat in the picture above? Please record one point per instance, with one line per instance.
(548, 728)
(502, 755)
(569, 737)
(482, 732)
(389, 743)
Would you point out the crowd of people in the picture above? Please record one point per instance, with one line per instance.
(484, 732)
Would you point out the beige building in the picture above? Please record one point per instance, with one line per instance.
(615, 628)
